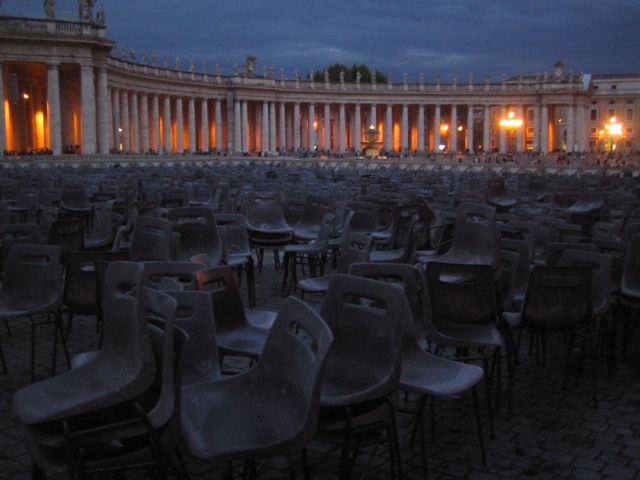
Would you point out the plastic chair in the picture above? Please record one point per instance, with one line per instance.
(16, 234)
(152, 239)
(365, 219)
(423, 373)
(266, 225)
(101, 234)
(555, 250)
(238, 255)
(630, 288)
(123, 369)
(497, 195)
(235, 334)
(356, 249)
(68, 235)
(272, 409)
(198, 233)
(521, 247)
(363, 367)
(32, 286)
(182, 272)
(315, 208)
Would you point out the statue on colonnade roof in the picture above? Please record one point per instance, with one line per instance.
(101, 16)
(50, 9)
(86, 10)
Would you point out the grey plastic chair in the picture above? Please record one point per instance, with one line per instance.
(123, 369)
(18, 233)
(315, 208)
(272, 409)
(266, 225)
(423, 373)
(363, 367)
(198, 232)
(32, 286)
(152, 239)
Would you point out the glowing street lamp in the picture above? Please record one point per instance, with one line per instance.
(444, 128)
(511, 122)
(612, 131)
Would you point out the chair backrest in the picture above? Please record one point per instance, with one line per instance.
(18, 233)
(558, 297)
(198, 232)
(365, 317)
(221, 284)
(600, 263)
(33, 272)
(555, 250)
(631, 273)
(474, 232)
(522, 248)
(235, 240)
(618, 252)
(365, 219)
(152, 239)
(508, 274)
(355, 249)
(68, 235)
(461, 293)
(181, 272)
(194, 314)
(265, 212)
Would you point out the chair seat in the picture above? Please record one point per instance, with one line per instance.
(512, 318)
(214, 407)
(387, 256)
(342, 385)
(467, 334)
(83, 358)
(21, 306)
(428, 374)
(262, 319)
(308, 248)
(242, 341)
(316, 284)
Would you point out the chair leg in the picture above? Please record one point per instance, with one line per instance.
(184, 473)
(8, 327)
(487, 380)
(394, 441)
(4, 363)
(33, 349)
(479, 426)
(423, 443)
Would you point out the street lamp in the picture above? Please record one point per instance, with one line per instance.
(613, 131)
(511, 124)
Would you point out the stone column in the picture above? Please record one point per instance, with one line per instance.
(3, 127)
(245, 126)
(503, 131)
(191, 117)
(111, 126)
(536, 127)
(88, 99)
(144, 123)
(135, 122)
(388, 128)
(327, 126)
(103, 111)
(357, 129)
(453, 129)
(342, 129)
(420, 128)
(296, 125)
(486, 129)
(117, 125)
(571, 128)
(204, 125)
(581, 128)
(520, 130)
(179, 126)
(283, 125)
(272, 127)
(436, 129)
(470, 128)
(124, 120)
(312, 130)
(264, 141)
(55, 118)
(544, 129)
(168, 148)
(155, 121)
(237, 125)
(218, 121)
(374, 118)
(404, 129)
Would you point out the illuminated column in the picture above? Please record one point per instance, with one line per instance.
(327, 126)
(536, 127)
(520, 129)
(404, 129)
(571, 126)
(296, 125)
(155, 121)
(237, 125)
(420, 128)
(503, 131)
(470, 128)
(486, 129)
(144, 122)
(312, 130)
(111, 125)
(115, 109)
(581, 128)
(135, 122)
(218, 121)
(55, 119)
(272, 126)
(179, 127)
(103, 111)
(436, 129)
(357, 134)
(3, 127)
(167, 125)
(265, 126)
(374, 119)
(124, 120)
(388, 128)
(544, 129)
(88, 99)
(283, 126)
(453, 129)
(245, 126)
(204, 124)
(342, 129)
(191, 119)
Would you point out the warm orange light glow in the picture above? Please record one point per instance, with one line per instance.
(40, 136)
(460, 128)
(614, 127)
(511, 121)
(444, 127)
(315, 125)
(25, 96)
(8, 126)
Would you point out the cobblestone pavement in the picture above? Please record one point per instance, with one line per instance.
(551, 432)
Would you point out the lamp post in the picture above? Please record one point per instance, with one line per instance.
(511, 124)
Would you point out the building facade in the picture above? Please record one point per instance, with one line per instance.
(66, 90)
